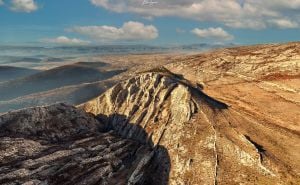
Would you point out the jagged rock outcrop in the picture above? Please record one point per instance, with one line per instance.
(161, 128)
(156, 128)
(58, 122)
(208, 142)
(61, 144)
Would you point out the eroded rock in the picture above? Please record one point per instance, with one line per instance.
(204, 137)
(61, 144)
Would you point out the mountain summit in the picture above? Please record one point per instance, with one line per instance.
(224, 117)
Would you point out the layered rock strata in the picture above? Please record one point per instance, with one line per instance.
(61, 144)
(208, 142)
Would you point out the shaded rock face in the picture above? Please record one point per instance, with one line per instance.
(61, 144)
(156, 128)
(208, 142)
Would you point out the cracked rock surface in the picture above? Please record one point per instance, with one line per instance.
(157, 127)
(61, 144)
(208, 142)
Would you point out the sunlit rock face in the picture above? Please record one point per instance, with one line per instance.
(226, 117)
(208, 142)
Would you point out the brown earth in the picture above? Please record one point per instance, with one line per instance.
(229, 116)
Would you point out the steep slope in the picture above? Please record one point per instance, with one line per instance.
(80, 91)
(248, 133)
(208, 142)
(262, 80)
(60, 144)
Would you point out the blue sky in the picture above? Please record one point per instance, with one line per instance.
(77, 22)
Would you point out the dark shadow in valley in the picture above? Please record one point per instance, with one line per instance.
(117, 152)
(160, 164)
(214, 103)
(198, 90)
(258, 147)
(52, 79)
(10, 73)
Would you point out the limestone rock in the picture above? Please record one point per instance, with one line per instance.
(61, 144)
(207, 141)
(230, 117)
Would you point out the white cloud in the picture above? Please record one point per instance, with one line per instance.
(1, 2)
(130, 31)
(63, 40)
(23, 6)
(254, 14)
(284, 23)
(213, 33)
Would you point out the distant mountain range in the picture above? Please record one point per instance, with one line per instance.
(98, 50)
(228, 116)
(201, 46)
(21, 82)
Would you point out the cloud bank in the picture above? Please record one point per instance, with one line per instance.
(63, 40)
(213, 33)
(130, 31)
(23, 6)
(284, 23)
(253, 14)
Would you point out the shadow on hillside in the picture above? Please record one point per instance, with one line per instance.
(68, 75)
(214, 103)
(196, 89)
(85, 151)
(158, 169)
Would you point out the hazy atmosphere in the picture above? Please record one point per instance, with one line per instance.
(149, 92)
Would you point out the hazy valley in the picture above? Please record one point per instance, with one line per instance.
(225, 116)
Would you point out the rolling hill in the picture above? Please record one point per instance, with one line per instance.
(55, 78)
(228, 116)
(11, 73)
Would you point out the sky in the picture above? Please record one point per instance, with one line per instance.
(153, 22)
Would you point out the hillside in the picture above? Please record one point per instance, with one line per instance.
(84, 86)
(73, 94)
(60, 144)
(207, 140)
(262, 81)
(55, 78)
(228, 116)
(11, 73)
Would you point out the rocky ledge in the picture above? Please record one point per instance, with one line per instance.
(61, 144)
(154, 129)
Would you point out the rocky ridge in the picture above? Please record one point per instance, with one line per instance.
(168, 129)
(208, 142)
(61, 144)
(156, 128)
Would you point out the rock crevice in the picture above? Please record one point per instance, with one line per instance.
(60, 144)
